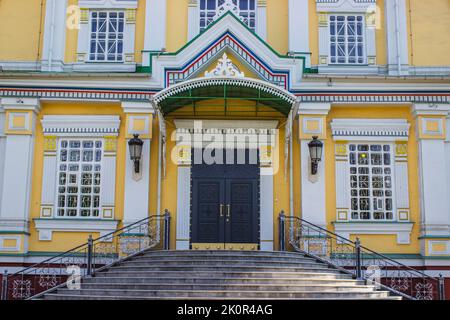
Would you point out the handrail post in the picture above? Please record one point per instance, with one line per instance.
(4, 295)
(441, 287)
(281, 230)
(358, 259)
(89, 255)
(166, 230)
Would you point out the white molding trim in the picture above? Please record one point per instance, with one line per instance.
(14, 225)
(402, 230)
(370, 129)
(80, 125)
(108, 4)
(46, 227)
(227, 124)
(347, 6)
(10, 237)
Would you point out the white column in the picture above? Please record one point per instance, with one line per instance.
(397, 37)
(155, 28)
(2, 150)
(137, 186)
(183, 207)
(299, 26)
(261, 19)
(312, 122)
(193, 19)
(54, 36)
(18, 162)
(266, 208)
(431, 122)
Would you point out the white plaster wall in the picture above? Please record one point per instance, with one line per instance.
(137, 192)
(2, 153)
(447, 166)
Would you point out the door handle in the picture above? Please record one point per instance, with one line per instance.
(228, 212)
(221, 210)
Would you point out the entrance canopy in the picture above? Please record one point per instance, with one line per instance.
(260, 94)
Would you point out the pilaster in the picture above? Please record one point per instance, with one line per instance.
(397, 37)
(431, 134)
(139, 118)
(155, 28)
(54, 36)
(312, 122)
(299, 27)
(18, 150)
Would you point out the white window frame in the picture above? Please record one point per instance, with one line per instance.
(79, 178)
(363, 35)
(122, 54)
(391, 166)
(248, 11)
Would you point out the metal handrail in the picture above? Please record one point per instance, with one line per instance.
(349, 256)
(89, 257)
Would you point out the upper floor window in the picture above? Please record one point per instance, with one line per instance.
(79, 178)
(210, 10)
(107, 36)
(347, 39)
(371, 181)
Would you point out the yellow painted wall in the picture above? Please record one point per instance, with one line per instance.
(380, 36)
(313, 32)
(21, 29)
(385, 243)
(177, 22)
(277, 25)
(430, 32)
(71, 38)
(65, 241)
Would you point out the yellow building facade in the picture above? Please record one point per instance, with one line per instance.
(369, 79)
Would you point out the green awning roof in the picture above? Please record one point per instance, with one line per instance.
(229, 90)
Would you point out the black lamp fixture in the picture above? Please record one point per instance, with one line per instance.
(135, 146)
(315, 152)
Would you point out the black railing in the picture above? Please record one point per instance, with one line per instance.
(353, 258)
(67, 269)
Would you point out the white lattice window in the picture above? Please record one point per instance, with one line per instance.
(79, 177)
(210, 10)
(347, 45)
(371, 179)
(106, 36)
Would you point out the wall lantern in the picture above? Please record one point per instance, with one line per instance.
(135, 146)
(315, 152)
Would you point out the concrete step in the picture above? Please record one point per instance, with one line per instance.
(199, 268)
(225, 294)
(220, 262)
(217, 280)
(220, 275)
(330, 274)
(229, 287)
(154, 258)
(98, 297)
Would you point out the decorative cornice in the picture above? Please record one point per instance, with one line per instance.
(81, 125)
(347, 129)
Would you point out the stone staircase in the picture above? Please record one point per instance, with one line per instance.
(210, 275)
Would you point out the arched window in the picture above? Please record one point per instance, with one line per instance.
(210, 10)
